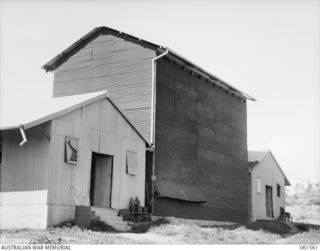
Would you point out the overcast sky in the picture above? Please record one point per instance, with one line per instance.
(268, 49)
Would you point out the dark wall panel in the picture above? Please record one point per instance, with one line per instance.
(201, 141)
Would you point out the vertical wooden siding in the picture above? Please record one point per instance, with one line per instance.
(111, 63)
(25, 168)
(201, 141)
(100, 128)
(270, 175)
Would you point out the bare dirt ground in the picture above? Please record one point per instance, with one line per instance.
(303, 206)
(167, 233)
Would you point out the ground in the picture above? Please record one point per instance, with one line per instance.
(172, 231)
(304, 206)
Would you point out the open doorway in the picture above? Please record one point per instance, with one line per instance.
(269, 203)
(101, 180)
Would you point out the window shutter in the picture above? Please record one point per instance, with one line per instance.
(131, 167)
(278, 190)
(258, 185)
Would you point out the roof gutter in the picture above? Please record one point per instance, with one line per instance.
(24, 138)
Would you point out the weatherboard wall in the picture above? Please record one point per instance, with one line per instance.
(270, 175)
(36, 189)
(200, 146)
(111, 63)
(100, 128)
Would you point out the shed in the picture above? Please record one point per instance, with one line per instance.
(195, 121)
(84, 152)
(268, 183)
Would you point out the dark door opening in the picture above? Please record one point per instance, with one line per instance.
(101, 180)
(269, 203)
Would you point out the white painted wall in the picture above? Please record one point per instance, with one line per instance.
(23, 209)
(100, 128)
(270, 175)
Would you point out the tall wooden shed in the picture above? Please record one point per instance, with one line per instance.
(87, 153)
(195, 122)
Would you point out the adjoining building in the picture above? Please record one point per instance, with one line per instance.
(195, 122)
(87, 152)
(268, 183)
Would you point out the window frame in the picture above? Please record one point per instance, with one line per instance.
(278, 190)
(76, 150)
(131, 170)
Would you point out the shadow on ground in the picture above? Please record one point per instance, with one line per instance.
(285, 229)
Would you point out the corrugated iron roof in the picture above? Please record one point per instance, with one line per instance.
(68, 52)
(52, 108)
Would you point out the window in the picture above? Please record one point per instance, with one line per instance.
(131, 163)
(278, 190)
(71, 150)
(258, 185)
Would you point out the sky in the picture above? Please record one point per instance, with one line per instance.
(268, 49)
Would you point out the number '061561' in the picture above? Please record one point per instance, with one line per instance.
(308, 247)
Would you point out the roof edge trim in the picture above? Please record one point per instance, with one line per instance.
(55, 62)
(71, 109)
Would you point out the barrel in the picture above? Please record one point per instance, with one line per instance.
(82, 216)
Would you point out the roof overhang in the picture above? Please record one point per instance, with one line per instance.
(69, 109)
(252, 164)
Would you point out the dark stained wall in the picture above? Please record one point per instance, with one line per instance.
(25, 168)
(201, 143)
(111, 63)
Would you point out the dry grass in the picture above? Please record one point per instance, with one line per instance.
(305, 207)
(194, 234)
(310, 237)
(161, 232)
(62, 235)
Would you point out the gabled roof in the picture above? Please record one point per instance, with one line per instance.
(55, 62)
(255, 157)
(56, 107)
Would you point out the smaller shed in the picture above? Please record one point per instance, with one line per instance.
(83, 151)
(268, 183)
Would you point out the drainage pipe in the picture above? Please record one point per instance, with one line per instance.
(153, 95)
(153, 120)
(24, 138)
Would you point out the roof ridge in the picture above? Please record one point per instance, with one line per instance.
(75, 47)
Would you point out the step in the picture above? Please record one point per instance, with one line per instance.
(110, 217)
(106, 215)
(108, 211)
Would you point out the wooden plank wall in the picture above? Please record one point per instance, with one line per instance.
(25, 168)
(201, 141)
(270, 175)
(100, 128)
(111, 63)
